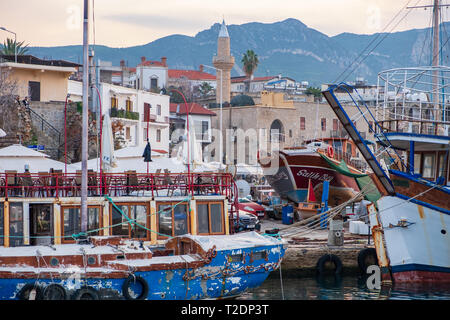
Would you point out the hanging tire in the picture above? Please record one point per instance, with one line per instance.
(54, 292)
(24, 293)
(131, 280)
(86, 293)
(321, 269)
(367, 257)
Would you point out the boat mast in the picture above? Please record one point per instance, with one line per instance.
(436, 60)
(84, 132)
(435, 51)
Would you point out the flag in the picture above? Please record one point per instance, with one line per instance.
(311, 196)
(148, 153)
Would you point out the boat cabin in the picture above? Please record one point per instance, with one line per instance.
(416, 120)
(147, 207)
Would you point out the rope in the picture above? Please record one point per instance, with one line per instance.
(316, 219)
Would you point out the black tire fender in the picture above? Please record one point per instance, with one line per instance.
(24, 293)
(86, 293)
(132, 279)
(363, 255)
(54, 292)
(320, 267)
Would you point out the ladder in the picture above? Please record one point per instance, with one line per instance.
(356, 136)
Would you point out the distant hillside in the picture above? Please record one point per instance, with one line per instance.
(287, 47)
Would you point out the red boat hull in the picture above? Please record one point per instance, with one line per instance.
(296, 170)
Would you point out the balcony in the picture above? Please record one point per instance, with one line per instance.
(123, 114)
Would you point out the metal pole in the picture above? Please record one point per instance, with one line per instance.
(65, 135)
(15, 47)
(221, 104)
(84, 132)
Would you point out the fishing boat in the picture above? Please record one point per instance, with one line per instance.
(314, 163)
(125, 235)
(187, 267)
(410, 168)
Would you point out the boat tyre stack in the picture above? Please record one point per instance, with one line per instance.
(129, 283)
(366, 258)
(85, 293)
(54, 292)
(25, 292)
(321, 268)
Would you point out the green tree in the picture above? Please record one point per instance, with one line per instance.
(204, 89)
(316, 92)
(9, 48)
(250, 62)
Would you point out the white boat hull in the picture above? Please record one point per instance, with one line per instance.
(417, 240)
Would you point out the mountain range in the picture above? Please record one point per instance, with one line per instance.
(288, 47)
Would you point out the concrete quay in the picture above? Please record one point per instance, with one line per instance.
(306, 247)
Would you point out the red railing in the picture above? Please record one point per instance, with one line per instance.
(116, 184)
(58, 184)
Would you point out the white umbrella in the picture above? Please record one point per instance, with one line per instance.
(16, 157)
(108, 158)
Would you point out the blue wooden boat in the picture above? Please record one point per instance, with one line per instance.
(187, 267)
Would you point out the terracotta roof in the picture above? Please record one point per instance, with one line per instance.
(191, 74)
(194, 108)
(151, 63)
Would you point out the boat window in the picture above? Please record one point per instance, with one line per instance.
(119, 221)
(210, 219)
(441, 165)
(180, 220)
(2, 233)
(72, 221)
(172, 219)
(216, 218)
(203, 218)
(429, 166)
(259, 255)
(132, 221)
(165, 219)
(417, 159)
(15, 224)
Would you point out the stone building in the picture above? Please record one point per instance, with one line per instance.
(278, 123)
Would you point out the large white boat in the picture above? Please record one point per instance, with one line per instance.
(411, 171)
(411, 166)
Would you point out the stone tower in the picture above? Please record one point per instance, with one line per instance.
(225, 62)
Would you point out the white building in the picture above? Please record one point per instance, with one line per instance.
(131, 107)
(150, 75)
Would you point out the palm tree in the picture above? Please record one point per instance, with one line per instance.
(9, 48)
(250, 62)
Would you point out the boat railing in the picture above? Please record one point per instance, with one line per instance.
(428, 127)
(57, 184)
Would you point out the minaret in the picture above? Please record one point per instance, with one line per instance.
(225, 62)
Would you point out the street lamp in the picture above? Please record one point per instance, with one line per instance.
(15, 41)
(221, 102)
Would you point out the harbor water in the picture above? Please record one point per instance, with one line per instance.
(341, 288)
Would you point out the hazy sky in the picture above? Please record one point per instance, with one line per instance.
(123, 23)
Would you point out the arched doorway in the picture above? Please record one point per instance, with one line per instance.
(277, 130)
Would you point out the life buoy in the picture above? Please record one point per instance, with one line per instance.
(330, 151)
(86, 293)
(54, 292)
(127, 285)
(367, 257)
(320, 267)
(24, 293)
